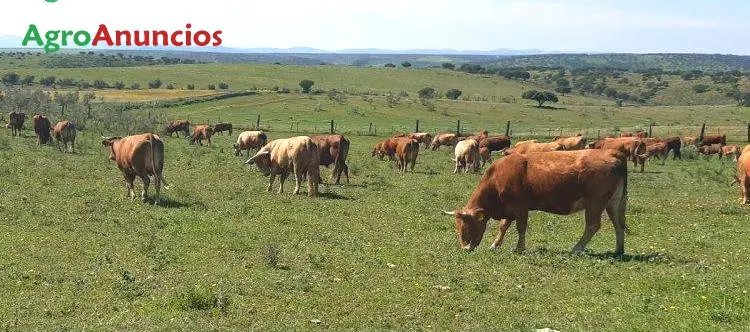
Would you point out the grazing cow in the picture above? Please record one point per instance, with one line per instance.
(534, 147)
(139, 155)
(709, 150)
(298, 155)
(333, 149)
(730, 150)
(675, 145)
(714, 139)
(572, 143)
(485, 155)
(202, 132)
(466, 156)
(15, 120)
(42, 128)
(178, 126)
(743, 174)
(388, 147)
(658, 150)
(250, 140)
(425, 138)
(378, 150)
(221, 127)
(689, 140)
(494, 143)
(407, 151)
(559, 182)
(65, 132)
(632, 147)
(443, 139)
(526, 142)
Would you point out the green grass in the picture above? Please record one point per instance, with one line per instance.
(375, 254)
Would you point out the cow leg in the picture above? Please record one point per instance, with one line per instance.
(413, 162)
(504, 225)
(313, 181)
(455, 170)
(129, 178)
(158, 184)
(73, 145)
(209, 141)
(521, 224)
(282, 178)
(642, 161)
(271, 178)
(593, 223)
(146, 181)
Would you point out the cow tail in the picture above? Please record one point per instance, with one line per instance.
(159, 173)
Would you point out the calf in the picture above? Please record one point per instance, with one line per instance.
(730, 150)
(558, 182)
(221, 127)
(466, 156)
(298, 155)
(333, 149)
(139, 155)
(709, 150)
(443, 139)
(743, 174)
(424, 138)
(249, 140)
(15, 120)
(658, 150)
(406, 153)
(42, 128)
(178, 126)
(202, 132)
(65, 132)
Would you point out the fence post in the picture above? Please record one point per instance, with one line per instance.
(598, 134)
(376, 130)
(748, 131)
(458, 127)
(416, 130)
(703, 132)
(507, 128)
(649, 130)
(560, 131)
(257, 123)
(369, 131)
(549, 133)
(331, 126)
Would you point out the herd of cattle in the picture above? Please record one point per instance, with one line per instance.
(563, 176)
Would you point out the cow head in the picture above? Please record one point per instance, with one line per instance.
(470, 226)
(237, 150)
(110, 142)
(262, 159)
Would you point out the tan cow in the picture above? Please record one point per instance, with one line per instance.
(139, 155)
(730, 150)
(534, 147)
(572, 143)
(15, 121)
(632, 147)
(248, 140)
(689, 140)
(743, 174)
(443, 139)
(178, 126)
(424, 138)
(42, 129)
(201, 132)
(558, 182)
(333, 150)
(709, 150)
(658, 150)
(407, 151)
(526, 142)
(298, 155)
(65, 132)
(466, 156)
(388, 147)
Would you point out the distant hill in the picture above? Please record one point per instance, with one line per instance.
(665, 61)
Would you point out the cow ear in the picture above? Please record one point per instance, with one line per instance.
(479, 213)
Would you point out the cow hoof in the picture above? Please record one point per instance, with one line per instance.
(144, 199)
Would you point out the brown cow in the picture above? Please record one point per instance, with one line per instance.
(709, 150)
(333, 149)
(534, 147)
(714, 139)
(425, 138)
(388, 147)
(42, 128)
(443, 139)
(15, 120)
(407, 151)
(221, 127)
(743, 174)
(201, 132)
(485, 155)
(631, 147)
(298, 155)
(378, 150)
(466, 156)
(730, 150)
(572, 143)
(248, 140)
(658, 150)
(494, 143)
(559, 182)
(178, 126)
(65, 132)
(139, 155)
(674, 144)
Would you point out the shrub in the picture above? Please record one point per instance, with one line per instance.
(50, 81)
(306, 85)
(448, 65)
(406, 64)
(701, 88)
(211, 86)
(100, 84)
(453, 94)
(540, 97)
(170, 86)
(390, 65)
(27, 80)
(223, 86)
(118, 85)
(427, 93)
(155, 84)
(190, 87)
(135, 86)
(11, 78)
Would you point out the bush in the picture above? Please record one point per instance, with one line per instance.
(170, 86)
(390, 65)
(11, 78)
(118, 85)
(701, 88)
(406, 64)
(284, 90)
(336, 96)
(448, 65)
(540, 97)
(211, 86)
(453, 94)
(27, 80)
(83, 84)
(190, 87)
(223, 86)
(306, 85)
(427, 93)
(50, 81)
(392, 99)
(100, 84)
(135, 86)
(155, 84)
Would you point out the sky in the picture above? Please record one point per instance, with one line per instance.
(632, 26)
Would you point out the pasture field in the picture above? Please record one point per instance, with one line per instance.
(221, 253)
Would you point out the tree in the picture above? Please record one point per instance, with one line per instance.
(390, 65)
(406, 64)
(306, 85)
(453, 94)
(118, 85)
(742, 98)
(563, 85)
(27, 80)
(135, 86)
(155, 84)
(11, 78)
(701, 88)
(427, 93)
(448, 65)
(223, 86)
(540, 97)
(87, 98)
(100, 84)
(211, 86)
(190, 86)
(50, 81)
